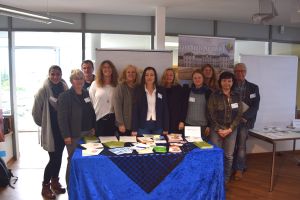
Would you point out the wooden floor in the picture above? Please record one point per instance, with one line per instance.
(253, 186)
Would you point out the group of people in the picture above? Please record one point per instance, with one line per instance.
(104, 105)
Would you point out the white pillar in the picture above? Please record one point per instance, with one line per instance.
(160, 28)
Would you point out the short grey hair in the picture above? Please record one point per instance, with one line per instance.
(76, 74)
(240, 65)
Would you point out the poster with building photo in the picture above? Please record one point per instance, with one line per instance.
(196, 51)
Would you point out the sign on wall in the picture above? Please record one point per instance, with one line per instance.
(196, 51)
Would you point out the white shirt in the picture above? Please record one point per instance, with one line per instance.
(151, 100)
(101, 98)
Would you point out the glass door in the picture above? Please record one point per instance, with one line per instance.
(31, 64)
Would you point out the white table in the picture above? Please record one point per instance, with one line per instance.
(273, 135)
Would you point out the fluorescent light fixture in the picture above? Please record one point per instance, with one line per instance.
(29, 15)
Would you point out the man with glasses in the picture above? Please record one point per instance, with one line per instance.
(249, 94)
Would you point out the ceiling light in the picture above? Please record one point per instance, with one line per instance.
(30, 15)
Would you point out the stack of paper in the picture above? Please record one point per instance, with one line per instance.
(114, 144)
(90, 139)
(104, 139)
(92, 145)
(145, 151)
(174, 137)
(144, 140)
(193, 139)
(203, 145)
(174, 149)
(91, 152)
(131, 139)
(160, 149)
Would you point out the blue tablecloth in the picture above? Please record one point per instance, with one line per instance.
(198, 176)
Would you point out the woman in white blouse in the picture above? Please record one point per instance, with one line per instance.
(101, 92)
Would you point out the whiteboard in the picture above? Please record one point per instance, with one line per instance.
(276, 77)
(160, 60)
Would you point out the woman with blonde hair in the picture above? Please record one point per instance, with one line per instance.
(210, 77)
(76, 116)
(123, 99)
(174, 95)
(101, 92)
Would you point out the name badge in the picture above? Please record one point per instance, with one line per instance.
(234, 105)
(252, 96)
(159, 95)
(87, 99)
(53, 99)
(192, 99)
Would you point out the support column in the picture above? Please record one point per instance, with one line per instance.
(160, 28)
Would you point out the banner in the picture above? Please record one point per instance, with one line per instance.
(196, 51)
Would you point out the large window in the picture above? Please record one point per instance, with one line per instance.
(114, 41)
(4, 75)
(34, 53)
(289, 49)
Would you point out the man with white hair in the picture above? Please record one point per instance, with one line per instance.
(250, 97)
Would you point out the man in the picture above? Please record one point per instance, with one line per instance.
(87, 68)
(250, 97)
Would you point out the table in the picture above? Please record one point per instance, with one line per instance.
(272, 135)
(200, 175)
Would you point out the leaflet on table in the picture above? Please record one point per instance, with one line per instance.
(91, 152)
(145, 151)
(119, 151)
(92, 145)
(174, 149)
(131, 139)
(104, 139)
(193, 139)
(173, 137)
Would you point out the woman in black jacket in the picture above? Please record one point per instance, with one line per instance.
(76, 115)
(175, 99)
(150, 110)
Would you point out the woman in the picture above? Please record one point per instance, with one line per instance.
(101, 92)
(225, 110)
(76, 116)
(210, 77)
(44, 113)
(150, 110)
(123, 100)
(196, 104)
(174, 94)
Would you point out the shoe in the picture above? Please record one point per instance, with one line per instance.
(238, 175)
(56, 186)
(47, 192)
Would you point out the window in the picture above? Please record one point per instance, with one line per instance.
(4, 75)
(249, 47)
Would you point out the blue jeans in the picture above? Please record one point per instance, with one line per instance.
(228, 144)
(150, 128)
(240, 148)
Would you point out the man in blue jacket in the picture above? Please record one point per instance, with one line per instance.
(250, 97)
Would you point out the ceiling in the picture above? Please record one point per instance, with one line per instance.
(225, 10)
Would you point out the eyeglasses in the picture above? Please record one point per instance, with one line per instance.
(239, 71)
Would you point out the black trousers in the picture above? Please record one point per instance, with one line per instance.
(106, 125)
(53, 167)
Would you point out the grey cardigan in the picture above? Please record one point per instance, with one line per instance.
(123, 104)
(69, 113)
(41, 114)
